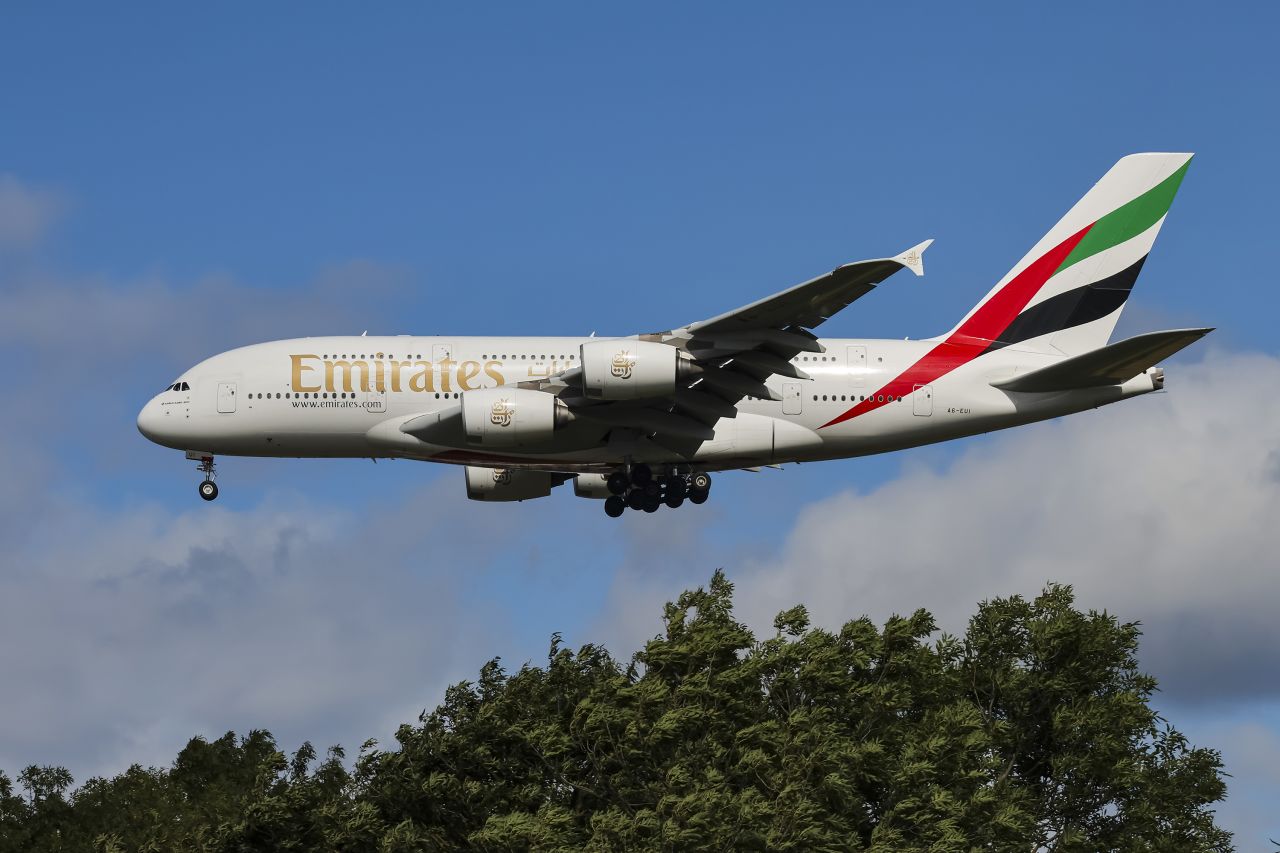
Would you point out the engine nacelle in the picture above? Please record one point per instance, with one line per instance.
(631, 370)
(594, 486)
(511, 417)
(507, 484)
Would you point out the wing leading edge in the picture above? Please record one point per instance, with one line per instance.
(813, 302)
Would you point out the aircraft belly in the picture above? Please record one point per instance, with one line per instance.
(759, 438)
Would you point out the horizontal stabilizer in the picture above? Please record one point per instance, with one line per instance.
(1110, 365)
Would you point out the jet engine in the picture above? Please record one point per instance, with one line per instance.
(511, 417)
(627, 369)
(508, 484)
(593, 486)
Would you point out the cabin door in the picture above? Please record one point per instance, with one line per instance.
(226, 397)
(792, 401)
(922, 400)
(857, 367)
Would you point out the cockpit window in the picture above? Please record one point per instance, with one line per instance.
(185, 386)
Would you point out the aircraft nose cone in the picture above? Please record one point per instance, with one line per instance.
(151, 422)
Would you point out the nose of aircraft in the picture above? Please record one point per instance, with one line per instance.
(151, 421)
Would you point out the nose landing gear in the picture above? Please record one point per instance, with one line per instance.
(646, 491)
(208, 488)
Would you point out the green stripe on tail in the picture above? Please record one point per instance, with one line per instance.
(1129, 220)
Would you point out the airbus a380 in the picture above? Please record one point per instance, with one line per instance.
(642, 421)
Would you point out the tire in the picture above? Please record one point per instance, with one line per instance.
(635, 499)
(677, 487)
(674, 500)
(614, 506)
(208, 490)
(698, 497)
(700, 482)
(617, 482)
(651, 489)
(651, 504)
(641, 474)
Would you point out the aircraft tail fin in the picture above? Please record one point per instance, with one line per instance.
(1066, 294)
(1111, 365)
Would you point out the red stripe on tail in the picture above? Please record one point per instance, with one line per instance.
(973, 335)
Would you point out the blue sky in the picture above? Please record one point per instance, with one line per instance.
(174, 183)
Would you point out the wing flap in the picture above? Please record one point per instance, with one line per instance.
(1110, 365)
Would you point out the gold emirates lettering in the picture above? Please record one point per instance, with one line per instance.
(307, 370)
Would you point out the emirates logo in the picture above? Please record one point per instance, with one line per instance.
(502, 413)
(623, 365)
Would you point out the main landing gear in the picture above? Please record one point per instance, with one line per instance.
(208, 488)
(640, 489)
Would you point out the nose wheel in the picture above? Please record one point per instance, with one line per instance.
(208, 488)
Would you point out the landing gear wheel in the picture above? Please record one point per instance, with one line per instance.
(676, 487)
(617, 482)
(208, 490)
(635, 499)
(700, 482)
(651, 489)
(698, 497)
(651, 503)
(614, 506)
(674, 499)
(641, 474)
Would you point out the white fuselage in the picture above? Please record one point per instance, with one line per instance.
(348, 396)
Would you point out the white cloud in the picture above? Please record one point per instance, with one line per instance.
(26, 213)
(129, 631)
(1160, 509)
(72, 321)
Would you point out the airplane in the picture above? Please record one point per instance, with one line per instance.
(641, 422)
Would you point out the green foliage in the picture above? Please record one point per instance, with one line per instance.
(1032, 731)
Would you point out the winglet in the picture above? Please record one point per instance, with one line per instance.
(913, 258)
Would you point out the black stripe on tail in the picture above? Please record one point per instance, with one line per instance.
(1073, 308)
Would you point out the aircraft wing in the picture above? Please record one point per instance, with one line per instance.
(809, 304)
(737, 352)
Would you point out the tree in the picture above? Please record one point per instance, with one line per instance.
(1032, 731)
